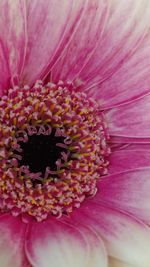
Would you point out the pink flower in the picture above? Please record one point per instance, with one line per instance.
(74, 133)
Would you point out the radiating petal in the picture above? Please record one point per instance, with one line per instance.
(125, 238)
(119, 69)
(130, 81)
(130, 120)
(46, 22)
(65, 244)
(124, 160)
(56, 21)
(129, 146)
(4, 69)
(97, 251)
(83, 42)
(128, 191)
(129, 140)
(12, 237)
(53, 243)
(12, 40)
(138, 147)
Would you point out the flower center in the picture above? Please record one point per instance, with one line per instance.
(53, 150)
(42, 150)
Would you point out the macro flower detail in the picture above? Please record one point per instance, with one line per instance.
(74, 133)
(68, 132)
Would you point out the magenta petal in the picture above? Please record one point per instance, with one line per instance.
(118, 71)
(124, 160)
(128, 191)
(125, 238)
(129, 140)
(56, 21)
(83, 41)
(12, 41)
(130, 120)
(137, 147)
(12, 236)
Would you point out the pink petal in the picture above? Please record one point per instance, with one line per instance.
(138, 147)
(55, 243)
(12, 237)
(125, 238)
(56, 22)
(124, 160)
(119, 69)
(130, 120)
(130, 81)
(129, 146)
(12, 41)
(128, 191)
(4, 68)
(129, 140)
(97, 250)
(83, 42)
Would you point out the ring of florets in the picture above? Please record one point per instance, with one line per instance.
(69, 114)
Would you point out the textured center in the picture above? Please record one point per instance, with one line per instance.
(53, 150)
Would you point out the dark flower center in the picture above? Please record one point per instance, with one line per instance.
(41, 151)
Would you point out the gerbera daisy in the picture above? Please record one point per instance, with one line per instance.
(74, 133)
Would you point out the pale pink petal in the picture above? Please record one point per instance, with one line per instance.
(119, 69)
(56, 243)
(130, 81)
(124, 160)
(12, 236)
(125, 238)
(12, 41)
(97, 250)
(128, 191)
(130, 120)
(56, 21)
(116, 263)
(83, 42)
(52, 243)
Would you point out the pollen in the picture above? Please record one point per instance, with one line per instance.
(53, 150)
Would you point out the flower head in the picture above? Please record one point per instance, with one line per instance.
(53, 149)
(74, 133)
